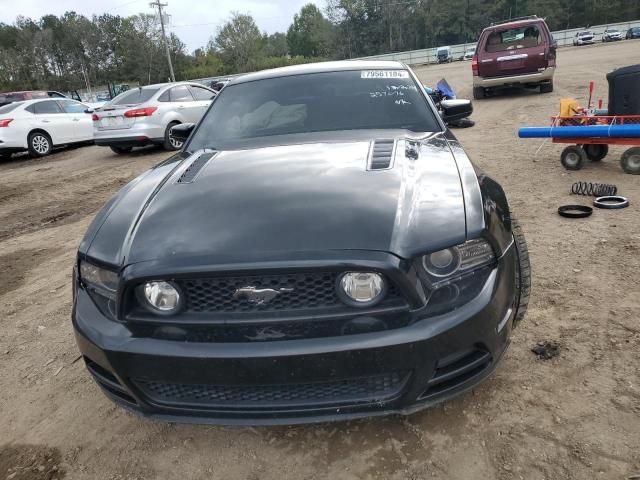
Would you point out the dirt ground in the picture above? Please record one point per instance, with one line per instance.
(576, 416)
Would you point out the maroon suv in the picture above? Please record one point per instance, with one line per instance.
(516, 52)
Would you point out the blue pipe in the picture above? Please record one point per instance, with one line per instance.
(587, 131)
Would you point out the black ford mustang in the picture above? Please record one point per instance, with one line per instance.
(321, 248)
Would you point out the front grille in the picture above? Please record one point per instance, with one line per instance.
(272, 331)
(376, 388)
(297, 292)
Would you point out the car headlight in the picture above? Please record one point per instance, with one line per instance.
(161, 297)
(361, 289)
(101, 285)
(105, 281)
(459, 259)
(454, 276)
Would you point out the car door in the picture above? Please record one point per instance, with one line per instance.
(81, 121)
(202, 98)
(182, 101)
(49, 116)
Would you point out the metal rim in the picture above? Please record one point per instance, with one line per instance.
(575, 211)
(175, 143)
(572, 158)
(611, 202)
(633, 161)
(40, 144)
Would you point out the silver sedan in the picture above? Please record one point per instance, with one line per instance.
(144, 115)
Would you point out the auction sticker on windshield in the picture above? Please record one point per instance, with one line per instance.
(384, 74)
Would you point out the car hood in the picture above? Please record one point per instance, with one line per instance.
(273, 201)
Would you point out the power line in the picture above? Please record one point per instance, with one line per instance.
(164, 35)
(123, 5)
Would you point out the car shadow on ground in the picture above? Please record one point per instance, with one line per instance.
(512, 92)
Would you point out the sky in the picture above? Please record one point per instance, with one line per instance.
(194, 21)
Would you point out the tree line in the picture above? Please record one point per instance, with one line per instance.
(71, 51)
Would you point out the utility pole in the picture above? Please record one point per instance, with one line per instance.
(164, 35)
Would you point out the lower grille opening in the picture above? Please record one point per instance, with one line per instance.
(108, 381)
(273, 331)
(371, 389)
(455, 371)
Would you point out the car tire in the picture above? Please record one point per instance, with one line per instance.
(39, 144)
(547, 87)
(523, 272)
(630, 161)
(169, 143)
(596, 151)
(573, 157)
(479, 93)
(120, 150)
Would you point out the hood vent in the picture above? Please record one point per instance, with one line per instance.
(381, 154)
(190, 174)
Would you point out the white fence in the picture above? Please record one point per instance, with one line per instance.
(428, 55)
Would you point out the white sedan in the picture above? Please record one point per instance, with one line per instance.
(39, 125)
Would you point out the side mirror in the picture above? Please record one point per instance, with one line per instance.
(89, 110)
(181, 132)
(452, 110)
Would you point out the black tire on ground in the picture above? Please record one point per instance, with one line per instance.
(546, 87)
(630, 161)
(573, 157)
(39, 144)
(479, 93)
(170, 143)
(596, 151)
(523, 272)
(120, 150)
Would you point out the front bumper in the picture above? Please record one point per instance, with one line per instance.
(530, 78)
(395, 371)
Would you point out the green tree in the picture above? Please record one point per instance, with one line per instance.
(239, 43)
(275, 45)
(310, 34)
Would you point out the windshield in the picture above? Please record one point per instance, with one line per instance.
(10, 107)
(134, 96)
(319, 102)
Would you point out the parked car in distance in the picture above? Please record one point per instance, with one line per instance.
(444, 55)
(633, 32)
(516, 52)
(611, 35)
(40, 125)
(144, 115)
(469, 53)
(319, 250)
(583, 38)
(10, 97)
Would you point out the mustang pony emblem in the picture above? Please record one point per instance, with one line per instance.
(259, 296)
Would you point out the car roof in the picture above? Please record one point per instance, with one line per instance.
(26, 103)
(514, 24)
(20, 92)
(163, 85)
(320, 67)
